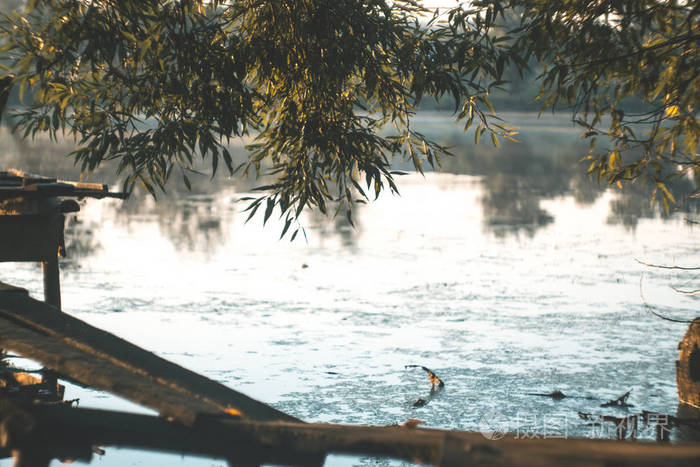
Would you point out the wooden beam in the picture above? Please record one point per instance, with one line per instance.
(443, 447)
(99, 359)
(307, 444)
(7, 288)
(72, 432)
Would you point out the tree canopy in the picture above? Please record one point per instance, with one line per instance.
(600, 55)
(328, 89)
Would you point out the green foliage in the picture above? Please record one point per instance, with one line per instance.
(598, 56)
(327, 89)
(156, 83)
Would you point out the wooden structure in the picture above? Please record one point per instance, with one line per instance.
(688, 366)
(202, 417)
(249, 442)
(101, 360)
(32, 209)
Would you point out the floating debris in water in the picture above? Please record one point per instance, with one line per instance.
(619, 402)
(556, 395)
(433, 377)
(412, 423)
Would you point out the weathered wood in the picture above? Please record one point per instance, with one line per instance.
(7, 288)
(29, 178)
(688, 366)
(246, 441)
(80, 429)
(104, 361)
(102, 374)
(52, 282)
(442, 447)
(71, 189)
(15, 183)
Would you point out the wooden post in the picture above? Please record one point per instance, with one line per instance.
(52, 283)
(688, 366)
(688, 380)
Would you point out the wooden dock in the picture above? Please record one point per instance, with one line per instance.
(103, 361)
(202, 417)
(32, 214)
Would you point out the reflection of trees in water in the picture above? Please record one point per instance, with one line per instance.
(515, 179)
(338, 226)
(192, 223)
(510, 206)
(195, 220)
(81, 239)
(195, 224)
(518, 176)
(634, 203)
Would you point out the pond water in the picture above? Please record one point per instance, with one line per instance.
(509, 273)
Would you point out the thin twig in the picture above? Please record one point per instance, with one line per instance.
(651, 310)
(682, 268)
(689, 293)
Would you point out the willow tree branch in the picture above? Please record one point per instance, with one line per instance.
(682, 268)
(653, 312)
(688, 293)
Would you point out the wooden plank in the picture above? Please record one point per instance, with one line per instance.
(305, 444)
(86, 185)
(5, 175)
(90, 349)
(100, 374)
(65, 189)
(8, 180)
(443, 447)
(80, 429)
(29, 178)
(7, 288)
(15, 183)
(98, 194)
(52, 189)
